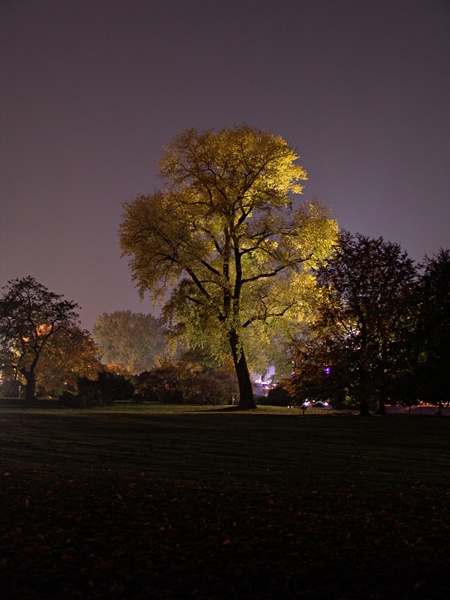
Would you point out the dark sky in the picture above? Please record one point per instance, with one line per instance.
(91, 90)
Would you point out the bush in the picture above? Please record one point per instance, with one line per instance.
(86, 399)
(101, 392)
(278, 396)
(182, 383)
(113, 385)
(214, 387)
(158, 385)
(9, 388)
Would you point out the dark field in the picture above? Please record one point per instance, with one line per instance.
(179, 503)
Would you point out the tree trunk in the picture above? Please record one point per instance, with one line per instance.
(246, 398)
(30, 388)
(381, 407)
(362, 391)
(364, 408)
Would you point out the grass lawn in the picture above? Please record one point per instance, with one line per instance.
(179, 502)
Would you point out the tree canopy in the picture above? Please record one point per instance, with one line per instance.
(360, 341)
(71, 353)
(224, 238)
(29, 316)
(433, 331)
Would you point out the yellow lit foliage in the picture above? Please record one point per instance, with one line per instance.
(224, 237)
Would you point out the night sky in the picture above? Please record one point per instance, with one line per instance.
(91, 90)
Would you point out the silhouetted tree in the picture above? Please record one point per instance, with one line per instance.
(433, 333)
(365, 324)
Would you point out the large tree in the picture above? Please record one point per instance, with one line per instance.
(224, 237)
(361, 341)
(30, 315)
(433, 331)
(132, 340)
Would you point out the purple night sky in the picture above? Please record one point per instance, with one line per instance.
(91, 90)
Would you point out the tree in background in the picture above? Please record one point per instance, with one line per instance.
(30, 315)
(71, 353)
(224, 237)
(361, 340)
(433, 333)
(132, 340)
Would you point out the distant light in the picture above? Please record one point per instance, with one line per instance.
(327, 370)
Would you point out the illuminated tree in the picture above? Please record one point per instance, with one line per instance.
(29, 317)
(224, 237)
(69, 354)
(132, 340)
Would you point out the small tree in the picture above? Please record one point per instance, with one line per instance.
(30, 315)
(224, 237)
(69, 354)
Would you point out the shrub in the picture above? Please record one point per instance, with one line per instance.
(158, 385)
(9, 388)
(214, 387)
(101, 392)
(183, 383)
(86, 399)
(113, 385)
(278, 396)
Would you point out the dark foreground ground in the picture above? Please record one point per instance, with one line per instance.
(216, 506)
